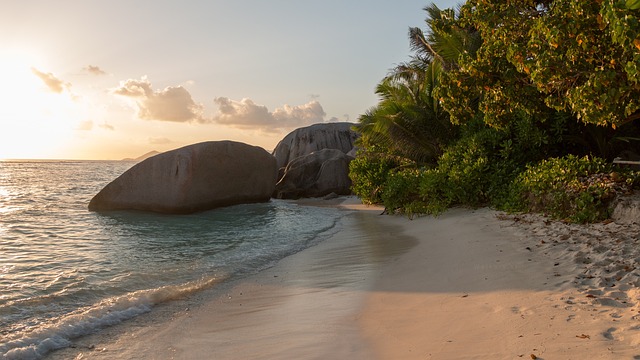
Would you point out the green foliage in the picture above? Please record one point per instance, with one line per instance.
(570, 188)
(466, 166)
(406, 121)
(569, 55)
(437, 197)
(401, 193)
(409, 121)
(369, 172)
(499, 86)
(481, 165)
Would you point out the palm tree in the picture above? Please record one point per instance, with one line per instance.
(409, 121)
(446, 40)
(405, 122)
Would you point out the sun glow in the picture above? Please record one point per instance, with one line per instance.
(34, 121)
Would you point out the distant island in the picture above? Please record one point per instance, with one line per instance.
(143, 157)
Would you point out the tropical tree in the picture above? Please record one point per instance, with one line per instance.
(409, 120)
(405, 122)
(578, 56)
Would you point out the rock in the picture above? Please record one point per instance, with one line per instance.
(330, 196)
(304, 141)
(353, 152)
(193, 178)
(627, 210)
(315, 175)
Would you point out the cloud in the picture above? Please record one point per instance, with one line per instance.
(107, 126)
(94, 70)
(293, 116)
(174, 103)
(85, 125)
(53, 83)
(246, 114)
(159, 141)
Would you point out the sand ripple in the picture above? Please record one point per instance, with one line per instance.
(602, 262)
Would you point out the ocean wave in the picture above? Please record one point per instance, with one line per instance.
(58, 333)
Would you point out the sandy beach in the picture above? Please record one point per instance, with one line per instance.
(470, 284)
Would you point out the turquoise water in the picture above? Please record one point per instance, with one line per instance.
(67, 272)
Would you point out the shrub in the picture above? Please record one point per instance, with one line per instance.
(369, 172)
(570, 188)
(401, 194)
(435, 193)
(466, 166)
(471, 172)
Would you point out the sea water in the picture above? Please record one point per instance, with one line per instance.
(67, 272)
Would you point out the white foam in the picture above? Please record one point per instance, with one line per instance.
(58, 333)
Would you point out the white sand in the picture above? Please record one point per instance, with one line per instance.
(477, 287)
(466, 285)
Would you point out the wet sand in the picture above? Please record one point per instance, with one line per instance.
(306, 306)
(470, 284)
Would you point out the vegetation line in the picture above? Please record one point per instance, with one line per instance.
(519, 106)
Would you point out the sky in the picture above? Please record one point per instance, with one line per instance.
(116, 79)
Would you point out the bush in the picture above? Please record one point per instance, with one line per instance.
(435, 192)
(401, 194)
(501, 168)
(570, 188)
(369, 172)
(466, 166)
(473, 172)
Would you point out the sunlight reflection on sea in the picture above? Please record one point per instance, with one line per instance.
(65, 271)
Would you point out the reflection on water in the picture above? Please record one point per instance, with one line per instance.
(385, 241)
(345, 263)
(59, 261)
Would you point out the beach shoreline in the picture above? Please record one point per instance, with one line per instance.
(332, 275)
(468, 284)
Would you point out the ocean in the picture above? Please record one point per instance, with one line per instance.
(66, 272)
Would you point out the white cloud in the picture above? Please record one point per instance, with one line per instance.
(107, 126)
(294, 116)
(85, 125)
(243, 114)
(174, 103)
(159, 140)
(94, 70)
(53, 83)
(246, 114)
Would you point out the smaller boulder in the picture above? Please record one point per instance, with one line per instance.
(627, 210)
(315, 175)
(305, 140)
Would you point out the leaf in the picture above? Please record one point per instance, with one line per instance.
(633, 4)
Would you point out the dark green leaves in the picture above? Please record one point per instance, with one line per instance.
(569, 55)
(633, 4)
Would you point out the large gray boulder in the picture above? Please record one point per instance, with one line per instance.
(193, 178)
(314, 175)
(304, 141)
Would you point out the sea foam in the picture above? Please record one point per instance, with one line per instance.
(66, 272)
(59, 332)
